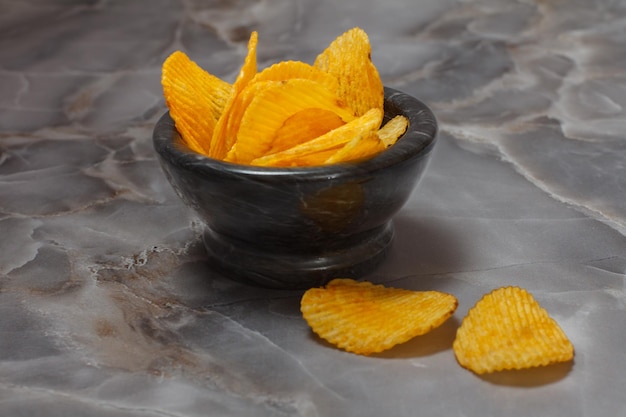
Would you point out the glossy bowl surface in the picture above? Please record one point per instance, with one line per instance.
(296, 228)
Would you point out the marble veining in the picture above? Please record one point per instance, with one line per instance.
(108, 306)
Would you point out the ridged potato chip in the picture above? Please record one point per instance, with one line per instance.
(393, 129)
(507, 329)
(363, 125)
(349, 58)
(303, 126)
(190, 91)
(311, 159)
(221, 141)
(358, 148)
(237, 109)
(271, 107)
(364, 318)
(287, 70)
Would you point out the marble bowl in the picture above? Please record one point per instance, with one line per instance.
(295, 228)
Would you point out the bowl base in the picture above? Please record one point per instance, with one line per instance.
(268, 268)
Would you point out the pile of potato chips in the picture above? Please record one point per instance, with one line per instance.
(507, 329)
(289, 114)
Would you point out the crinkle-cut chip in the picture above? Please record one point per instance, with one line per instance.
(239, 106)
(358, 148)
(271, 107)
(364, 318)
(221, 142)
(507, 329)
(318, 122)
(303, 126)
(195, 99)
(249, 68)
(363, 125)
(287, 70)
(393, 129)
(348, 58)
(312, 159)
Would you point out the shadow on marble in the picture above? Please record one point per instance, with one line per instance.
(529, 378)
(436, 341)
(424, 247)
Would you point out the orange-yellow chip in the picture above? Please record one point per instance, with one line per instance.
(358, 148)
(271, 107)
(287, 70)
(508, 329)
(304, 126)
(237, 109)
(312, 159)
(190, 91)
(364, 318)
(393, 129)
(348, 58)
(361, 126)
(221, 142)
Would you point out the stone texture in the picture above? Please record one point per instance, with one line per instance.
(108, 306)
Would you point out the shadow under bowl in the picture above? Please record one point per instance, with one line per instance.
(296, 228)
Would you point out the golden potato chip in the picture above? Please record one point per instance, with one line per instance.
(364, 318)
(393, 129)
(312, 159)
(360, 147)
(348, 58)
(249, 68)
(238, 107)
(189, 92)
(361, 126)
(221, 142)
(300, 127)
(303, 126)
(271, 107)
(508, 329)
(287, 70)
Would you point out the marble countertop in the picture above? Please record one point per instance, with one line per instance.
(108, 309)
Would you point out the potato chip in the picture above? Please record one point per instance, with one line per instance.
(363, 125)
(393, 129)
(238, 107)
(364, 318)
(190, 91)
(287, 70)
(312, 159)
(507, 329)
(358, 148)
(221, 142)
(303, 126)
(348, 58)
(271, 107)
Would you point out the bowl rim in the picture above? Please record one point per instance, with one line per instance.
(416, 142)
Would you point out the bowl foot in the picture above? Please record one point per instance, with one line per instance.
(267, 267)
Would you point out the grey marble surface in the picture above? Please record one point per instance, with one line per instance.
(107, 308)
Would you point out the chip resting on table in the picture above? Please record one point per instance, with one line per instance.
(365, 318)
(508, 329)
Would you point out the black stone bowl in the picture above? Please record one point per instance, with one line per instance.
(295, 228)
